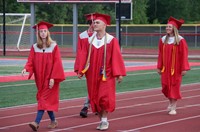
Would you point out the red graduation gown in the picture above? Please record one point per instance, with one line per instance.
(82, 39)
(171, 83)
(46, 65)
(102, 93)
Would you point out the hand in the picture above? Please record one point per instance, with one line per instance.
(23, 72)
(79, 75)
(159, 71)
(51, 83)
(119, 79)
(183, 73)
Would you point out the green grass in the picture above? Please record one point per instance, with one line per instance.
(24, 92)
(5, 70)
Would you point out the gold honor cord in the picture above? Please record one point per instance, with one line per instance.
(104, 65)
(88, 58)
(163, 68)
(173, 59)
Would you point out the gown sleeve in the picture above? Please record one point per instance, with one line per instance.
(29, 63)
(160, 55)
(184, 48)
(118, 67)
(57, 71)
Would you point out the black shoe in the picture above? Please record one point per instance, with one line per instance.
(84, 112)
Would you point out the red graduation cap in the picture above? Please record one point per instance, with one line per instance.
(43, 25)
(90, 16)
(175, 22)
(103, 17)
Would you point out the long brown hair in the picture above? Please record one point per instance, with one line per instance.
(176, 35)
(40, 42)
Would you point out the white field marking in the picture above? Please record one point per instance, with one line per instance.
(154, 102)
(27, 84)
(159, 124)
(66, 100)
(146, 73)
(118, 100)
(75, 115)
(114, 119)
(147, 96)
(124, 107)
(34, 105)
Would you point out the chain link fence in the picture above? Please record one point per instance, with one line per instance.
(131, 35)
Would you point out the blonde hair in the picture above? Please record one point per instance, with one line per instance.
(176, 35)
(40, 42)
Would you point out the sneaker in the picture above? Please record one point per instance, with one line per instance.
(172, 112)
(34, 126)
(53, 125)
(98, 127)
(84, 112)
(103, 126)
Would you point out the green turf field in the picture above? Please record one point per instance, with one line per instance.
(24, 92)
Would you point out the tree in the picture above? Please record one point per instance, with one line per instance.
(139, 11)
(162, 10)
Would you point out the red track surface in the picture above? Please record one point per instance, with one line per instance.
(138, 111)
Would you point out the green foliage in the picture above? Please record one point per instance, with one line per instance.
(163, 9)
(139, 12)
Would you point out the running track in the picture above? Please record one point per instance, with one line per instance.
(137, 111)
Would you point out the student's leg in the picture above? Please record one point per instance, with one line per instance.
(53, 123)
(172, 108)
(39, 116)
(51, 116)
(85, 108)
(35, 125)
(104, 121)
(87, 102)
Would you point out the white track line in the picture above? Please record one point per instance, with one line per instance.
(114, 119)
(116, 108)
(120, 93)
(159, 124)
(127, 99)
(158, 102)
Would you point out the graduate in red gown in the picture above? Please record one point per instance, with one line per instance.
(102, 64)
(45, 63)
(83, 39)
(172, 62)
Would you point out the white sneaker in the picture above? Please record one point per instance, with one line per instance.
(103, 126)
(98, 127)
(172, 112)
